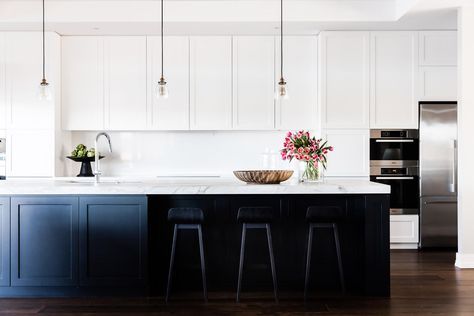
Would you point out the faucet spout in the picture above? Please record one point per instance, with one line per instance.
(97, 171)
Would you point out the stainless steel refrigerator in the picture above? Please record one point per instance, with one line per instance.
(438, 174)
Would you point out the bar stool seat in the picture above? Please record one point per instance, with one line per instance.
(186, 218)
(324, 214)
(256, 218)
(324, 217)
(185, 215)
(255, 215)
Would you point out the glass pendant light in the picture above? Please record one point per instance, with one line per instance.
(282, 86)
(44, 90)
(161, 88)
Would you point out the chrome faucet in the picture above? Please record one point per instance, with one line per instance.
(97, 171)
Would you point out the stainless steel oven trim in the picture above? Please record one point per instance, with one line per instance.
(394, 163)
(404, 211)
(377, 171)
(377, 133)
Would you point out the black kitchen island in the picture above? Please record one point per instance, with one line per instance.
(364, 235)
(60, 238)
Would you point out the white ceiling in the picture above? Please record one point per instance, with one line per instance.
(137, 17)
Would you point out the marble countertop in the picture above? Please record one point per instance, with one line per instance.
(167, 186)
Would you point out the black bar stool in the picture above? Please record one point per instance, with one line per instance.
(186, 218)
(324, 217)
(256, 218)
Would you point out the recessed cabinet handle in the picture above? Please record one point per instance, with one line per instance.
(394, 140)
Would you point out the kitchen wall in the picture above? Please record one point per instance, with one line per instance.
(182, 153)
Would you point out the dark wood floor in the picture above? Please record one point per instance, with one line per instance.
(425, 283)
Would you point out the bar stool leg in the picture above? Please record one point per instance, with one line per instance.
(272, 262)
(203, 264)
(339, 258)
(170, 273)
(308, 261)
(241, 264)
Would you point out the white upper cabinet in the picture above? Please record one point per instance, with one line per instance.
(253, 82)
(300, 110)
(23, 74)
(104, 83)
(351, 152)
(125, 83)
(344, 79)
(394, 65)
(82, 83)
(438, 83)
(3, 96)
(438, 48)
(211, 82)
(171, 113)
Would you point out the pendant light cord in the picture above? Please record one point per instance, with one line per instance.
(44, 59)
(162, 50)
(281, 38)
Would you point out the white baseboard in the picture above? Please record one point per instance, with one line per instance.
(404, 246)
(464, 260)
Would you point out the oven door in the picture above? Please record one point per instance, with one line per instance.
(405, 193)
(388, 151)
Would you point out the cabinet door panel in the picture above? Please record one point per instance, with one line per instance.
(4, 241)
(345, 79)
(300, 110)
(211, 82)
(44, 241)
(23, 73)
(394, 63)
(171, 113)
(438, 83)
(113, 241)
(23, 159)
(438, 48)
(253, 72)
(404, 229)
(351, 153)
(82, 83)
(125, 82)
(3, 97)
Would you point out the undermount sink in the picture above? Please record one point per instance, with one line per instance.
(102, 181)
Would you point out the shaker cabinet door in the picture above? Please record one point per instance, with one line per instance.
(44, 244)
(345, 84)
(113, 241)
(394, 65)
(82, 94)
(211, 82)
(4, 241)
(171, 113)
(253, 82)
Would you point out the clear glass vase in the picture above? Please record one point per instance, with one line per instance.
(310, 173)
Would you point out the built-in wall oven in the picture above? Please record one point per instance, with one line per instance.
(3, 166)
(394, 157)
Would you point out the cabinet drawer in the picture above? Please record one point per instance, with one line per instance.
(404, 228)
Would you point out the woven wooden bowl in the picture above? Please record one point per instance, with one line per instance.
(263, 176)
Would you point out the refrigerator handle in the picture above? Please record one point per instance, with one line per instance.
(455, 166)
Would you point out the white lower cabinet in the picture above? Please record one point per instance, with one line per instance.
(31, 153)
(438, 83)
(351, 152)
(404, 231)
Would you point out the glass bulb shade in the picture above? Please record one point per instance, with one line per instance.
(281, 91)
(161, 90)
(44, 92)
